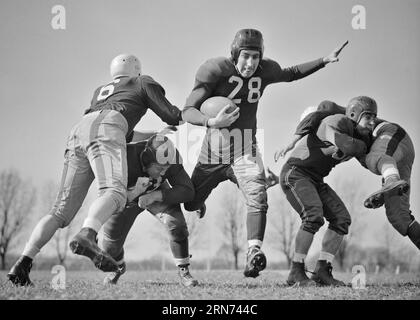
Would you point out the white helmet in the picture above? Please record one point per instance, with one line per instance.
(125, 65)
(307, 111)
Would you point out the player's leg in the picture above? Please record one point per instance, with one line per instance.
(172, 218)
(116, 230)
(302, 194)
(104, 138)
(250, 177)
(339, 220)
(382, 160)
(76, 179)
(397, 208)
(205, 178)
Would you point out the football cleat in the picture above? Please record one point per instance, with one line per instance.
(392, 186)
(19, 274)
(323, 275)
(297, 276)
(113, 277)
(255, 262)
(185, 276)
(84, 243)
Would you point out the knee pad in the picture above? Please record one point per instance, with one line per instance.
(342, 228)
(178, 233)
(119, 195)
(372, 162)
(313, 224)
(62, 221)
(256, 201)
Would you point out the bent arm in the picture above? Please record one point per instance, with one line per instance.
(182, 188)
(161, 106)
(341, 135)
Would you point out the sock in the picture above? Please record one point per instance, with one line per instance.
(255, 242)
(299, 257)
(181, 262)
(326, 256)
(390, 172)
(30, 251)
(93, 224)
(99, 212)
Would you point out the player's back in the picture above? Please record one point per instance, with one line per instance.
(123, 95)
(313, 153)
(132, 96)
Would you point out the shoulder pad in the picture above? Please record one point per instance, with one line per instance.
(213, 69)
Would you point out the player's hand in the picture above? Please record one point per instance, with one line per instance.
(141, 186)
(224, 119)
(282, 153)
(340, 156)
(271, 178)
(149, 198)
(168, 130)
(333, 56)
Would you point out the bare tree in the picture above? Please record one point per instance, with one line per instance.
(161, 235)
(17, 198)
(388, 241)
(62, 235)
(352, 195)
(195, 230)
(233, 222)
(198, 235)
(284, 223)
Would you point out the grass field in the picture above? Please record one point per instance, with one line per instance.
(223, 285)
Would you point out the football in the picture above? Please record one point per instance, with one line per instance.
(213, 105)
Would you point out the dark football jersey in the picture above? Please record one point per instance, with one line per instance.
(219, 77)
(176, 175)
(314, 152)
(132, 96)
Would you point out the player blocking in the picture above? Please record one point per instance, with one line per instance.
(96, 149)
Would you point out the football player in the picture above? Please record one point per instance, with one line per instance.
(157, 182)
(96, 149)
(242, 77)
(391, 155)
(302, 180)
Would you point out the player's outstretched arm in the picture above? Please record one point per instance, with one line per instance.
(333, 56)
(282, 152)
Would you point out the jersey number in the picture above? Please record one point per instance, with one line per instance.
(254, 86)
(107, 90)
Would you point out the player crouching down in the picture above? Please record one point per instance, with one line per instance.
(157, 182)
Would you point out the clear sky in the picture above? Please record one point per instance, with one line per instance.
(47, 76)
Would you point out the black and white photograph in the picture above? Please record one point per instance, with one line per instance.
(209, 156)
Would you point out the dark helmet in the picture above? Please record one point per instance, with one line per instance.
(359, 106)
(159, 149)
(247, 39)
